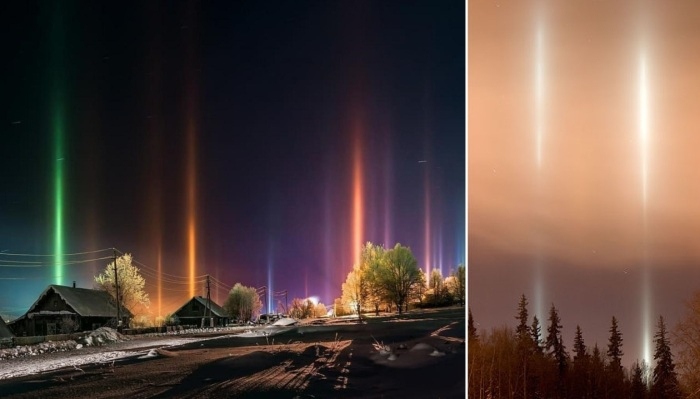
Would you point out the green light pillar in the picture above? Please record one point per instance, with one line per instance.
(57, 77)
(57, 123)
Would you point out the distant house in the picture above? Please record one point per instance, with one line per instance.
(60, 309)
(192, 313)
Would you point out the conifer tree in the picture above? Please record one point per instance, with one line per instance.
(536, 334)
(639, 388)
(615, 373)
(579, 346)
(665, 382)
(472, 329)
(615, 347)
(523, 330)
(555, 343)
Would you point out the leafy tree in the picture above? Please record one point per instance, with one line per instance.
(355, 290)
(399, 275)
(460, 279)
(301, 308)
(665, 383)
(243, 303)
(371, 258)
(320, 310)
(132, 294)
(436, 286)
(419, 288)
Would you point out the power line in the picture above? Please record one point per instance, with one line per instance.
(52, 255)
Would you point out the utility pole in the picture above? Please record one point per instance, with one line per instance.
(208, 301)
(116, 288)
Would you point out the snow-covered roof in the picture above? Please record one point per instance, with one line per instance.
(86, 302)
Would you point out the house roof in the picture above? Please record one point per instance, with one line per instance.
(4, 331)
(216, 310)
(86, 302)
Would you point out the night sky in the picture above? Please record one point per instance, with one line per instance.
(258, 141)
(583, 164)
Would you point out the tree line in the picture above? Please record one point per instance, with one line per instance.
(529, 362)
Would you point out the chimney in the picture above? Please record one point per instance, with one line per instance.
(73, 283)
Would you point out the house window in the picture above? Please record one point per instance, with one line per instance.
(55, 303)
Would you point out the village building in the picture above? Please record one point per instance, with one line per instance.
(196, 310)
(62, 310)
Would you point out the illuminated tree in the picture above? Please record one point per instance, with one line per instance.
(371, 258)
(460, 284)
(131, 285)
(355, 290)
(243, 303)
(419, 288)
(320, 310)
(399, 275)
(665, 383)
(301, 308)
(436, 285)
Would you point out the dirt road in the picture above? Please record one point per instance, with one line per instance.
(422, 356)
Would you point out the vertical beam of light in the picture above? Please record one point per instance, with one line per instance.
(357, 198)
(539, 138)
(426, 224)
(192, 98)
(191, 205)
(160, 275)
(155, 131)
(270, 262)
(58, 195)
(58, 128)
(539, 94)
(644, 156)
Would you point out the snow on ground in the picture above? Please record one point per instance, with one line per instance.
(38, 362)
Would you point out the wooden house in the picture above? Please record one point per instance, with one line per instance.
(61, 310)
(195, 311)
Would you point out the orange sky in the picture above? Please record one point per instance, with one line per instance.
(583, 209)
